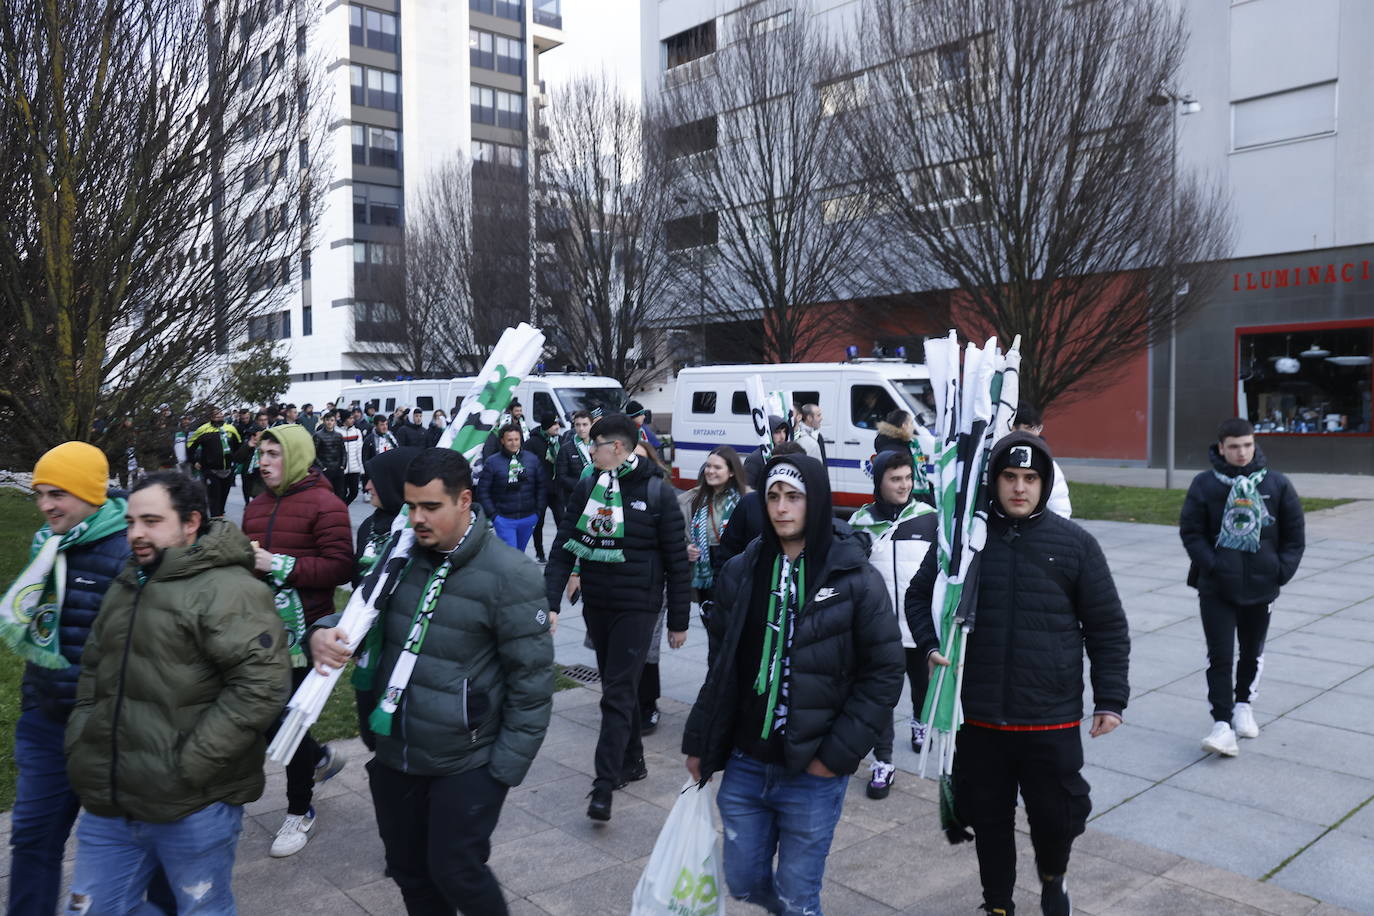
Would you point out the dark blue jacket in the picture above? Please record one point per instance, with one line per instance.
(90, 570)
(499, 497)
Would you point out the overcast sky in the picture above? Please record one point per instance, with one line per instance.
(597, 35)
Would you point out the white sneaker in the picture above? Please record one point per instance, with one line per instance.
(293, 835)
(1243, 719)
(1221, 740)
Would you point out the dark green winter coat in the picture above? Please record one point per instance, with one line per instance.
(481, 693)
(181, 677)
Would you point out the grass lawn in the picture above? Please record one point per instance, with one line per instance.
(1149, 505)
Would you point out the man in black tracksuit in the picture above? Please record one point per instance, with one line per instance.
(1241, 556)
(1044, 594)
(329, 452)
(624, 527)
(806, 668)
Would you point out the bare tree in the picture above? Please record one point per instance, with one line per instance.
(418, 312)
(1020, 154)
(763, 183)
(606, 199)
(154, 192)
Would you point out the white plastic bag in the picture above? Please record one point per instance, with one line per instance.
(684, 877)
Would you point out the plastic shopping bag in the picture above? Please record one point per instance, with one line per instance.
(683, 877)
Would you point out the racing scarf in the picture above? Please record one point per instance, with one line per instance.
(32, 609)
(585, 450)
(515, 471)
(880, 529)
(289, 607)
(365, 667)
(602, 525)
(704, 527)
(775, 663)
(1245, 513)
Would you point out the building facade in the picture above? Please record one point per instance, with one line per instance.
(411, 85)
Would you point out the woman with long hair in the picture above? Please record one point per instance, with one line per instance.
(706, 507)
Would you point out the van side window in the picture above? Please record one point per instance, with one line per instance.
(390, 404)
(801, 398)
(374, 404)
(703, 402)
(424, 402)
(739, 404)
(868, 405)
(543, 406)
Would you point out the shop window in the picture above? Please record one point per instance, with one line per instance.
(1305, 380)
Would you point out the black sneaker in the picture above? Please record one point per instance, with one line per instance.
(599, 809)
(649, 724)
(633, 772)
(1054, 897)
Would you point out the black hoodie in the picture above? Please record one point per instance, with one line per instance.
(387, 473)
(846, 655)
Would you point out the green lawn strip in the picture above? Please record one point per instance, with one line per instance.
(1148, 505)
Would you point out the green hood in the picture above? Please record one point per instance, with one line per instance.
(298, 453)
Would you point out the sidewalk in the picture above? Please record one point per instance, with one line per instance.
(1329, 486)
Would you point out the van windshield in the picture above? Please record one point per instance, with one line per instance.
(606, 400)
(920, 400)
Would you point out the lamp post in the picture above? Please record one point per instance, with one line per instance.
(1180, 104)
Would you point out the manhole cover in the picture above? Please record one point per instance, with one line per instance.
(583, 673)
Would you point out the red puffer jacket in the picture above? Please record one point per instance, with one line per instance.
(310, 523)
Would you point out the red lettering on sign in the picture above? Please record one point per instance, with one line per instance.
(1331, 273)
(1235, 282)
(1280, 279)
(1309, 274)
(1250, 281)
(1264, 278)
(1347, 273)
(1314, 275)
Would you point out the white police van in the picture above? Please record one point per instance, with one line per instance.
(560, 393)
(711, 408)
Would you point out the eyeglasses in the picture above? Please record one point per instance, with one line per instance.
(597, 445)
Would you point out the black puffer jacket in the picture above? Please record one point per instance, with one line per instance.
(655, 547)
(846, 656)
(90, 570)
(568, 471)
(746, 523)
(1044, 593)
(1238, 576)
(329, 449)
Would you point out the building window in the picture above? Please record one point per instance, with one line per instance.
(692, 231)
(1305, 379)
(381, 31)
(482, 6)
(483, 105)
(770, 23)
(376, 205)
(510, 55)
(549, 12)
(687, 46)
(692, 138)
(491, 159)
(379, 322)
(357, 84)
(506, 9)
(1297, 114)
(272, 326)
(510, 110)
(371, 260)
(482, 49)
(374, 88)
(378, 146)
(844, 94)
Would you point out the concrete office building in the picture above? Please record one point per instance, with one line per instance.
(412, 83)
(1287, 338)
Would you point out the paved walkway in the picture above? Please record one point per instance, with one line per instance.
(1285, 828)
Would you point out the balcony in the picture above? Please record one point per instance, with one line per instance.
(547, 16)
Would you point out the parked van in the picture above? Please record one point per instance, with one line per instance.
(711, 408)
(561, 393)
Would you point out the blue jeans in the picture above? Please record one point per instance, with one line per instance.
(116, 857)
(764, 809)
(44, 809)
(514, 531)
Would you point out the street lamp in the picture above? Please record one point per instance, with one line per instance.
(1181, 104)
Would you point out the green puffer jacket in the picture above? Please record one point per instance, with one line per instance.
(481, 693)
(181, 677)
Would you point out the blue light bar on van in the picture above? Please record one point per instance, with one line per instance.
(358, 378)
(539, 368)
(900, 353)
(400, 378)
(851, 352)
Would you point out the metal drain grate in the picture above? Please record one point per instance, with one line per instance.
(582, 673)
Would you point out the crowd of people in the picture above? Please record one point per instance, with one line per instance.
(164, 640)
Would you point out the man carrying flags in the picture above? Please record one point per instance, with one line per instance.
(1044, 592)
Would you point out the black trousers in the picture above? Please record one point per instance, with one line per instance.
(217, 489)
(989, 767)
(350, 488)
(621, 640)
(916, 675)
(556, 508)
(437, 834)
(336, 480)
(1224, 623)
(300, 770)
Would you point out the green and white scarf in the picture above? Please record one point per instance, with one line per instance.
(585, 450)
(380, 720)
(515, 471)
(289, 606)
(708, 524)
(365, 663)
(1245, 514)
(31, 615)
(601, 528)
(788, 589)
(879, 528)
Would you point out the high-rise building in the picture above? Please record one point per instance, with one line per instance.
(411, 84)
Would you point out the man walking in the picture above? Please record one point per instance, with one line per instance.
(463, 648)
(211, 449)
(1242, 525)
(806, 667)
(574, 455)
(353, 457)
(1044, 595)
(179, 440)
(329, 451)
(303, 548)
(546, 442)
(808, 432)
(379, 441)
(185, 668)
(308, 418)
(625, 531)
(511, 489)
(82, 542)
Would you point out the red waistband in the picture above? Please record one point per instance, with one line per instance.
(1021, 728)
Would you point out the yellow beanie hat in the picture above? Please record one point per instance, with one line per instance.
(77, 467)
